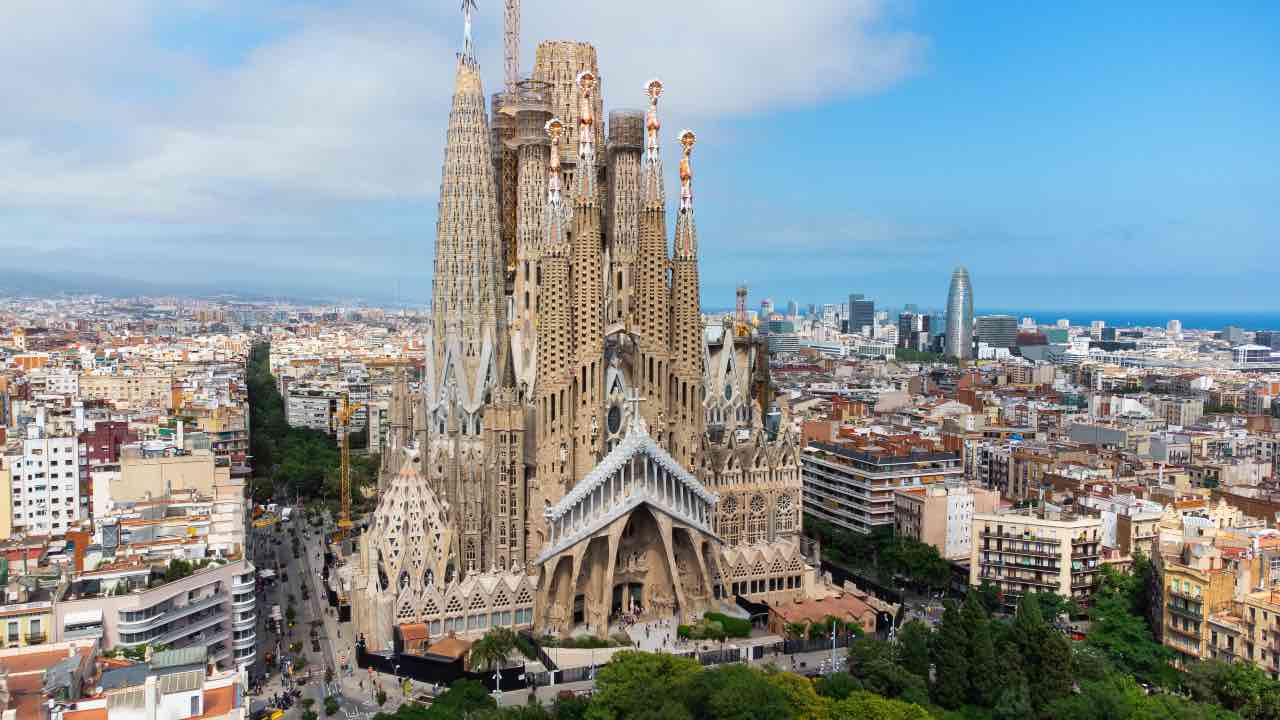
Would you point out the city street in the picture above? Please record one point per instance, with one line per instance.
(273, 551)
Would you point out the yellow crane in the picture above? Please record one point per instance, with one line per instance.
(344, 419)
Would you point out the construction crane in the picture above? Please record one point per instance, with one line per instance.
(344, 477)
(512, 39)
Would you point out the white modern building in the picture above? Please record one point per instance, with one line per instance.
(46, 484)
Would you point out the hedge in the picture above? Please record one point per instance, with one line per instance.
(733, 627)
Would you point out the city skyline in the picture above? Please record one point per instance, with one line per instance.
(925, 137)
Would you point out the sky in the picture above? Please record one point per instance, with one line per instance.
(1071, 155)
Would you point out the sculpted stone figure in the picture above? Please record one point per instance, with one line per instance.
(651, 122)
(554, 129)
(586, 117)
(687, 139)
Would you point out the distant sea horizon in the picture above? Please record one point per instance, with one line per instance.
(1149, 318)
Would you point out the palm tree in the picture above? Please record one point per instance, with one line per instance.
(491, 651)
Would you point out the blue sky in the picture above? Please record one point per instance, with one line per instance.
(1071, 155)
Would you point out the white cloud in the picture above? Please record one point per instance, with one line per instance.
(346, 105)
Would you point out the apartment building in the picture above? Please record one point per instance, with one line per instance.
(144, 474)
(45, 483)
(1196, 581)
(26, 613)
(127, 604)
(133, 392)
(1048, 552)
(941, 515)
(854, 489)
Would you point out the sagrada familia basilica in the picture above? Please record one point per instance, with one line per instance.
(581, 445)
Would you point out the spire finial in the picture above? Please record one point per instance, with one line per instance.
(586, 170)
(652, 124)
(687, 139)
(554, 128)
(468, 7)
(586, 116)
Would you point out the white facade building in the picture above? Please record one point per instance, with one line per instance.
(46, 485)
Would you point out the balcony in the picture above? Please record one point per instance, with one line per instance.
(1011, 548)
(250, 600)
(1194, 613)
(1054, 568)
(174, 613)
(1028, 537)
(35, 638)
(1185, 632)
(245, 642)
(189, 629)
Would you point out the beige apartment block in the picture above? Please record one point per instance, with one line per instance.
(1028, 553)
(143, 477)
(129, 391)
(942, 515)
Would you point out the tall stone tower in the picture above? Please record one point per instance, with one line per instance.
(466, 345)
(687, 351)
(651, 312)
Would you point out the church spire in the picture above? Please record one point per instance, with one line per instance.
(467, 295)
(686, 241)
(651, 164)
(686, 317)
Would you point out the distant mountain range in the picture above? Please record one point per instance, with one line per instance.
(16, 282)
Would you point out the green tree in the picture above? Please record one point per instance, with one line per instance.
(570, 708)
(802, 698)
(628, 686)
(913, 647)
(950, 661)
(837, 686)
(491, 650)
(989, 594)
(330, 706)
(1014, 702)
(1119, 697)
(178, 569)
(1240, 687)
(795, 630)
(735, 692)
(310, 715)
(984, 675)
(1045, 652)
(863, 705)
(1120, 631)
(463, 698)
(380, 697)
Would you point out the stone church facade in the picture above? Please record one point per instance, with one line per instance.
(582, 446)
